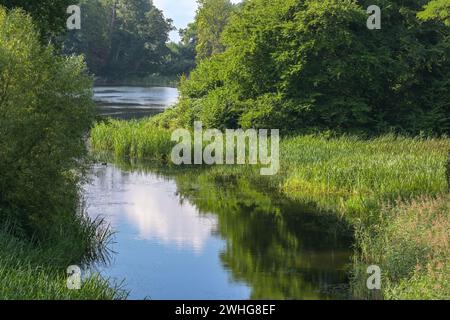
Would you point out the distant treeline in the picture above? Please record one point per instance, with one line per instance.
(122, 39)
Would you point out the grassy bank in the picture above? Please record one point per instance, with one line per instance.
(36, 270)
(46, 110)
(393, 190)
(29, 272)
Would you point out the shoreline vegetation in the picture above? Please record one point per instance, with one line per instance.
(392, 190)
(148, 81)
(46, 110)
(32, 270)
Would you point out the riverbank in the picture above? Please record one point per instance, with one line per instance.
(392, 190)
(29, 272)
(32, 270)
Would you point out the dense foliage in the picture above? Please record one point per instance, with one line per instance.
(45, 111)
(211, 19)
(181, 59)
(297, 65)
(49, 15)
(121, 38)
(436, 9)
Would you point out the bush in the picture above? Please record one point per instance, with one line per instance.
(46, 110)
(316, 64)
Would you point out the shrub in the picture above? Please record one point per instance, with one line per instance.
(46, 109)
(316, 64)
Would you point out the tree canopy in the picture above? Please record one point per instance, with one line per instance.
(46, 109)
(121, 38)
(49, 15)
(436, 9)
(302, 65)
(210, 21)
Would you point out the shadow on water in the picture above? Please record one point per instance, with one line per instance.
(266, 246)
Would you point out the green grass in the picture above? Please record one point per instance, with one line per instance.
(413, 248)
(377, 185)
(354, 176)
(32, 269)
(28, 271)
(132, 139)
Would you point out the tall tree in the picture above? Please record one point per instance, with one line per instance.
(181, 59)
(94, 39)
(121, 38)
(293, 64)
(139, 39)
(49, 15)
(211, 19)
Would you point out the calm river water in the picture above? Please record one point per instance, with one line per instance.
(182, 234)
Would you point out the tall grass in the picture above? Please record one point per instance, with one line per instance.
(29, 271)
(412, 248)
(354, 176)
(132, 139)
(36, 268)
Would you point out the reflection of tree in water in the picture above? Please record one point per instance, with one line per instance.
(280, 248)
(271, 243)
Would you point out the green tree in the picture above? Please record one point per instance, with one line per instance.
(436, 9)
(49, 15)
(94, 39)
(211, 19)
(121, 38)
(46, 110)
(302, 65)
(181, 59)
(139, 39)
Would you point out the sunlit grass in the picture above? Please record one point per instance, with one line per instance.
(413, 248)
(354, 176)
(29, 271)
(132, 139)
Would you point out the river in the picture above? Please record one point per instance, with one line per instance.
(183, 234)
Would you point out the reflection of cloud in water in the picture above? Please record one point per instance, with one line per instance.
(151, 206)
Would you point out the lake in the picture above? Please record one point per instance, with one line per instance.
(187, 234)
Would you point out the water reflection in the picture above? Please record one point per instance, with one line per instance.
(196, 235)
(150, 204)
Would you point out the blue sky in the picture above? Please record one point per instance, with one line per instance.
(181, 12)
